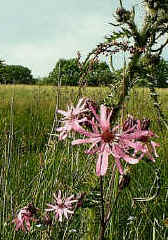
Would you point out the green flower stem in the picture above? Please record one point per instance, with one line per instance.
(103, 225)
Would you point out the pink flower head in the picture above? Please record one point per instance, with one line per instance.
(72, 118)
(117, 142)
(149, 146)
(62, 206)
(24, 217)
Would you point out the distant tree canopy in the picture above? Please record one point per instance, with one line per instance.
(67, 72)
(15, 74)
(100, 75)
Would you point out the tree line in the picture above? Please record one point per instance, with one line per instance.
(67, 72)
(15, 74)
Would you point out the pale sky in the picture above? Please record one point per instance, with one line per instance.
(37, 33)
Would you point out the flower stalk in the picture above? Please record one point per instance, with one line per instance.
(103, 224)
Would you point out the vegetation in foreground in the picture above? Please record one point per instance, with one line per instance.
(34, 165)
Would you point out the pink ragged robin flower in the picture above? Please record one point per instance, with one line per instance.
(106, 141)
(72, 118)
(135, 127)
(24, 217)
(149, 146)
(62, 206)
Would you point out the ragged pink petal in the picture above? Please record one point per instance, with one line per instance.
(119, 153)
(102, 163)
(119, 166)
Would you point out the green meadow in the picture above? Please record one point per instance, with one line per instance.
(34, 165)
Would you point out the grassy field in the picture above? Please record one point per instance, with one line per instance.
(34, 165)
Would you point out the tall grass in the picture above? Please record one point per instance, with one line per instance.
(34, 164)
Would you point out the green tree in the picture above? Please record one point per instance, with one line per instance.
(100, 75)
(68, 72)
(18, 74)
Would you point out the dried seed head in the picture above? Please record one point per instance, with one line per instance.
(47, 220)
(122, 15)
(145, 124)
(129, 123)
(32, 209)
(124, 179)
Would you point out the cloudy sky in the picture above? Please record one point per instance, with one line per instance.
(37, 33)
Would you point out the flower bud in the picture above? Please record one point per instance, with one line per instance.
(129, 123)
(124, 179)
(122, 15)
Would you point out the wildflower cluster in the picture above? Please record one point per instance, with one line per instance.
(63, 206)
(130, 141)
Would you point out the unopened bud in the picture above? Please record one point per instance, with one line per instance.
(145, 124)
(129, 123)
(124, 181)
